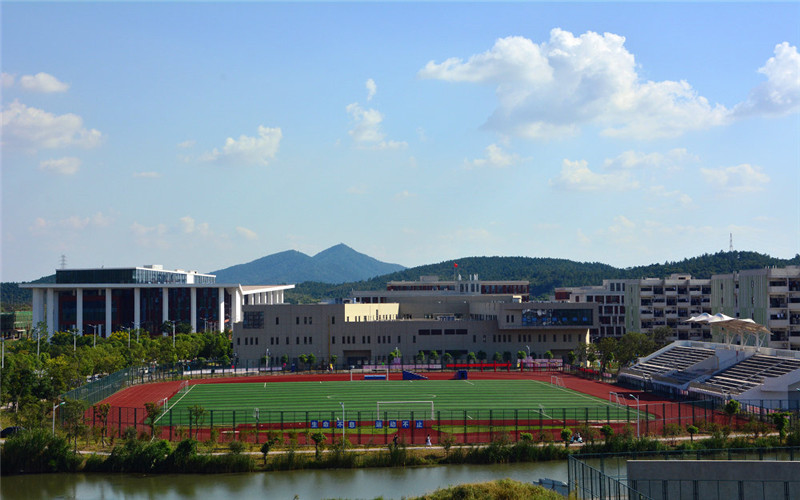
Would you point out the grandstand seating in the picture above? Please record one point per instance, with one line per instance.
(678, 358)
(750, 373)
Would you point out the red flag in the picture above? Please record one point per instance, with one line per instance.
(455, 264)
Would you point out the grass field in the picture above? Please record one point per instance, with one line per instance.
(306, 401)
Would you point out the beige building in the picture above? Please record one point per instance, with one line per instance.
(370, 325)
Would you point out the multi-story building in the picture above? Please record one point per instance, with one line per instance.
(769, 296)
(437, 316)
(655, 302)
(105, 300)
(610, 300)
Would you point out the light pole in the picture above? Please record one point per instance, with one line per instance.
(38, 334)
(637, 414)
(54, 416)
(266, 361)
(74, 339)
(529, 350)
(94, 328)
(343, 422)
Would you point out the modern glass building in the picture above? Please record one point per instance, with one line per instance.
(106, 300)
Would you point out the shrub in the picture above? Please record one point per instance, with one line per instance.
(36, 451)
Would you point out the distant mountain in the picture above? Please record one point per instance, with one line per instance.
(338, 264)
(547, 274)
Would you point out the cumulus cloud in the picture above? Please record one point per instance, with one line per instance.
(495, 158)
(246, 233)
(32, 129)
(554, 88)
(366, 131)
(42, 82)
(404, 195)
(7, 80)
(742, 178)
(189, 226)
(150, 236)
(576, 176)
(65, 166)
(247, 150)
(780, 94)
(357, 189)
(371, 89)
(186, 144)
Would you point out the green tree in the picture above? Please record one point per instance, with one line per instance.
(72, 414)
(506, 356)
(152, 410)
(730, 409)
(566, 435)
(482, 355)
(334, 357)
(781, 422)
(311, 360)
(692, 430)
(471, 357)
(548, 355)
(196, 417)
(607, 348)
(434, 356)
(497, 356)
(447, 358)
(319, 440)
(100, 412)
(632, 346)
(661, 336)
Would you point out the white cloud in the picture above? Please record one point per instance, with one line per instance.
(576, 175)
(357, 189)
(371, 89)
(742, 178)
(248, 150)
(186, 144)
(674, 159)
(550, 89)
(681, 197)
(70, 224)
(31, 129)
(147, 175)
(366, 131)
(150, 236)
(7, 80)
(780, 94)
(189, 226)
(582, 238)
(246, 233)
(65, 166)
(495, 158)
(42, 82)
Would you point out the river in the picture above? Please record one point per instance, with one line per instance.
(390, 483)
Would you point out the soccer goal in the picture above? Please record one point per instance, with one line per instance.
(557, 381)
(369, 374)
(184, 387)
(616, 398)
(408, 406)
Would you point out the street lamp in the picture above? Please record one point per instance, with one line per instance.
(343, 422)
(94, 328)
(266, 361)
(637, 413)
(74, 339)
(54, 416)
(529, 350)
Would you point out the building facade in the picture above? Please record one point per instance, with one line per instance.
(610, 300)
(101, 301)
(369, 325)
(769, 296)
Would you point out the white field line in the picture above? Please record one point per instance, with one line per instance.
(173, 404)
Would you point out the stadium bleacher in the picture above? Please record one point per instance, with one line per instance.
(678, 358)
(750, 373)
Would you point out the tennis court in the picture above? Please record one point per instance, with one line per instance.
(287, 402)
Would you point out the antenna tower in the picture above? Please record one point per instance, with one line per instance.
(63, 261)
(731, 248)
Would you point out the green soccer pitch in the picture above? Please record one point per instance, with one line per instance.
(305, 401)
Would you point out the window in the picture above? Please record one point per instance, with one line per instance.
(287, 340)
(333, 339)
(297, 320)
(253, 320)
(305, 320)
(333, 320)
(297, 340)
(277, 320)
(310, 320)
(238, 341)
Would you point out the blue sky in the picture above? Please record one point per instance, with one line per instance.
(203, 135)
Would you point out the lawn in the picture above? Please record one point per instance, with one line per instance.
(478, 400)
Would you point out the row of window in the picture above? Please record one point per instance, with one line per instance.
(254, 320)
(448, 331)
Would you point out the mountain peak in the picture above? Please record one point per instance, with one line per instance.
(337, 264)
